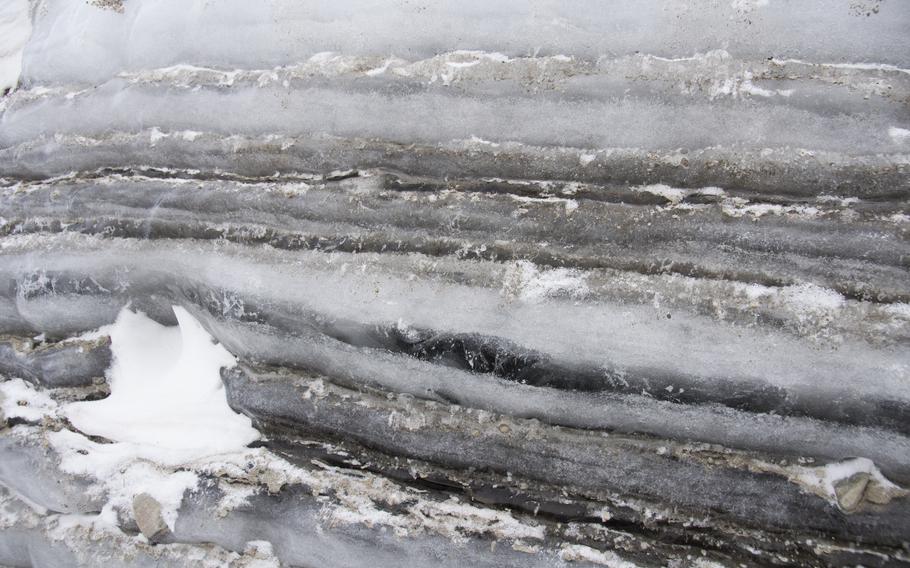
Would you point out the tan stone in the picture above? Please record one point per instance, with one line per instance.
(850, 491)
(147, 511)
(881, 494)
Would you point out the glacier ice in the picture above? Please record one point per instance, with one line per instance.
(496, 284)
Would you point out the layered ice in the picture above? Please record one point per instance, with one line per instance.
(498, 284)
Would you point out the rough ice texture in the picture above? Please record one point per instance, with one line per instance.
(474, 283)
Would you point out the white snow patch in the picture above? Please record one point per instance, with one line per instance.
(103, 525)
(19, 399)
(155, 135)
(586, 159)
(167, 397)
(711, 190)
(124, 471)
(748, 5)
(707, 563)
(235, 495)
(380, 70)
(478, 56)
(901, 310)
(747, 86)
(439, 516)
(477, 140)
(533, 285)
(739, 207)
(672, 194)
(843, 201)
(582, 553)
(570, 205)
(15, 28)
(92, 335)
(262, 555)
(754, 291)
(189, 135)
(167, 406)
(859, 66)
(810, 298)
(899, 135)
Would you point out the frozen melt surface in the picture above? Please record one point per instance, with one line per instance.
(167, 398)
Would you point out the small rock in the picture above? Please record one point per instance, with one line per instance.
(881, 494)
(850, 491)
(273, 481)
(147, 511)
